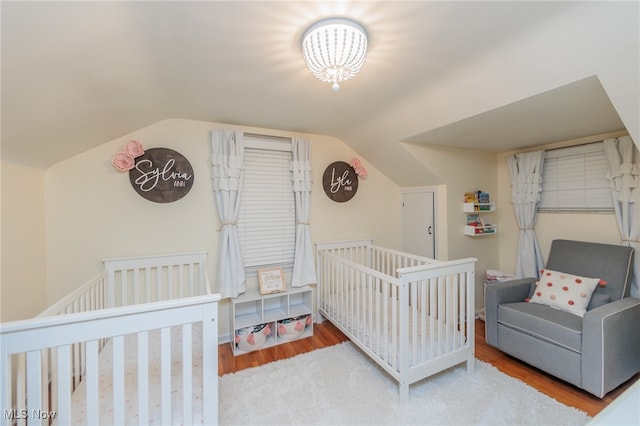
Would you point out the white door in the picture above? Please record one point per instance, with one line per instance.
(418, 225)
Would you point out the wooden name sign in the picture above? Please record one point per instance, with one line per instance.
(340, 181)
(161, 175)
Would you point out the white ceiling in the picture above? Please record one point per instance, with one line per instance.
(573, 111)
(78, 74)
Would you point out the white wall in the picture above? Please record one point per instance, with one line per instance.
(23, 287)
(93, 212)
(464, 171)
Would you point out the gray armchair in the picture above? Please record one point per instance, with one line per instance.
(597, 352)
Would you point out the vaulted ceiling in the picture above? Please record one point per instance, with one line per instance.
(489, 76)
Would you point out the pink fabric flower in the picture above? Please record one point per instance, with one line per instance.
(359, 169)
(309, 320)
(361, 172)
(299, 325)
(282, 329)
(251, 339)
(267, 331)
(133, 149)
(122, 162)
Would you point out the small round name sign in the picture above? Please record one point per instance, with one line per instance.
(340, 181)
(161, 175)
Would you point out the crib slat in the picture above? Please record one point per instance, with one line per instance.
(424, 315)
(147, 278)
(64, 385)
(209, 369)
(136, 286)
(118, 380)
(34, 387)
(124, 288)
(55, 377)
(165, 374)
(181, 281)
(413, 340)
(5, 386)
(170, 273)
(187, 376)
(448, 311)
(143, 378)
(44, 379)
(160, 292)
(433, 312)
(21, 386)
(192, 290)
(91, 382)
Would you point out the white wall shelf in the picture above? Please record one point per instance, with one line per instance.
(477, 231)
(479, 207)
(481, 228)
(253, 309)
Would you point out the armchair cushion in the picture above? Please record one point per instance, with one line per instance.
(611, 263)
(567, 292)
(598, 299)
(552, 325)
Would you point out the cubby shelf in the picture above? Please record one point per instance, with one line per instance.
(253, 309)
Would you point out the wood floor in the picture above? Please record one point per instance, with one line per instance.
(326, 334)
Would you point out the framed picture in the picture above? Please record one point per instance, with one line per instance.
(271, 280)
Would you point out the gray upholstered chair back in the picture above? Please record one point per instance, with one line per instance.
(612, 263)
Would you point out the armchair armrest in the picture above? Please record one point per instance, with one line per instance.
(610, 345)
(498, 293)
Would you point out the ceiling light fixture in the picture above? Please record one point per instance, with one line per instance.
(335, 50)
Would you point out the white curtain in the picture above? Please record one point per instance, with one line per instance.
(304, 271)
(624, 174)
(228, 164)
(526, 184)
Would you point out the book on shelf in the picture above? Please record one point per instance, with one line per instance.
(470, 197)
(483, 197)
(473, 220)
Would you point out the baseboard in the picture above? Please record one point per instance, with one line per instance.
(224, 338)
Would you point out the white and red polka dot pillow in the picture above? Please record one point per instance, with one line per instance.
(566, 292)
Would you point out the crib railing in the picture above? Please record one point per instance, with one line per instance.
(407, 312)
(152, 279)
(37, 337)
(124, 282)
(381, 259)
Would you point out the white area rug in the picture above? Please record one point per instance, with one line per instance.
(341, 386)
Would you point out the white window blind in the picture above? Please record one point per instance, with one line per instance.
(574, 179)
(267, 222)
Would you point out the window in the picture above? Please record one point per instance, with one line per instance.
(574, 179)
(267, 222)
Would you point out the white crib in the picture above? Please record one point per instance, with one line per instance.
(412, 315)
(136, 344)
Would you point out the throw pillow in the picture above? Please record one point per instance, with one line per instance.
(570, 293)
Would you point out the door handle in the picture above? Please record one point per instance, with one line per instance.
(429, 230)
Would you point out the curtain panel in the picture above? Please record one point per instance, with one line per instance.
(526, 184)
(624, 176)
(228, 164)
(304, 271)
